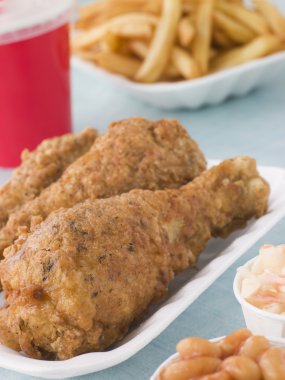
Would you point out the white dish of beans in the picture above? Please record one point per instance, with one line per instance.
(238, 356)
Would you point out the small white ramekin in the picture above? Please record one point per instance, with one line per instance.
(259, 321)
(278, 342)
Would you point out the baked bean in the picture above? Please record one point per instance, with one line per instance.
(185, 369)
(254, 347)
(192, 347)
(221, 375)
(241, 368)
(230, 345)
(272, 364)
(239, 356)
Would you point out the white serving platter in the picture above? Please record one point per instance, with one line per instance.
(276, 342)
(216, 259)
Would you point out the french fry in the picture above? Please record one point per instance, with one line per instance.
(259, 47)
(154, 40)
(138, 48)
(111, 42)
(95, 8)
(185, 32)
(116, 25)
(249, 18)
(185, 63)
(189, 6)
(221, 40)
(233, 29)
(213, 53)
(101, 11)
(88, 55)
(160, 48)
(202, 40)
(170, 72)
(133, 30)
(152, 6)
(273, 16)
(118, 63)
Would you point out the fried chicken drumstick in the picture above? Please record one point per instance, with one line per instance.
(40, 168)
(79, 281)
(134, 153)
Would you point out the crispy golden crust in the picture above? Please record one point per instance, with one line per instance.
(134, 153)
(78, 282)
(40, 168)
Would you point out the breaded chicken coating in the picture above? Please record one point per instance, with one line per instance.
(80, 280)
(134, 153)
(40, 168)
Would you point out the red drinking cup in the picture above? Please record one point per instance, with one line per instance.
(34, 74)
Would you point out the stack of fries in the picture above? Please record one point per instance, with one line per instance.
(170, 40)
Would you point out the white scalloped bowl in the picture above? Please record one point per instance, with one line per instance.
(209, 90)
(279, 342)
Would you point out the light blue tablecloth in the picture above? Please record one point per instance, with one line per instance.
(253, 125)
